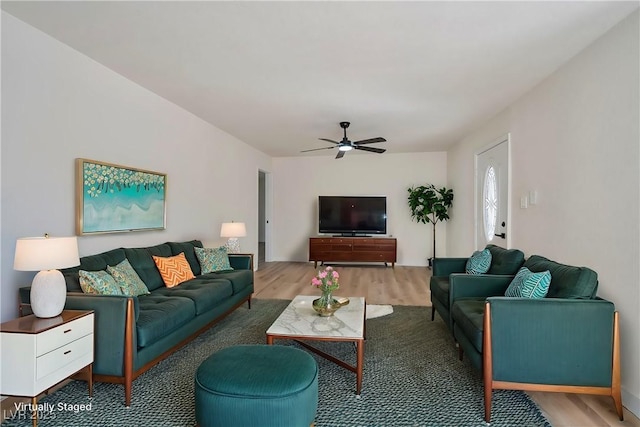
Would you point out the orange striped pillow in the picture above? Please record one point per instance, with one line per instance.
(174, 270)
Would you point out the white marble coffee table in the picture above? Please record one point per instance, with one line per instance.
(300, 322)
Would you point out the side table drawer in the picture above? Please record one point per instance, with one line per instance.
(63, 334)
(63, 356)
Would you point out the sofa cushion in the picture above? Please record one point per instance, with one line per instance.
(188, 249)
(213, 259)
(140, 259)
(527, 284)
(205, 292)
(174, 269)
(439, 287)
(468, 315)
(160, 314)
(239, 279)
(479, 262)
(98, 282)
(91, 263)
(505, 261)
(127, 278)
(566, 281)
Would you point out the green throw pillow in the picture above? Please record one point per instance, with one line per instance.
(527, 284)
(126, 277)
(213, 259)
(98, 282)
(479, 262)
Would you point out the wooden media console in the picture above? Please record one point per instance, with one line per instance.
(353, 249)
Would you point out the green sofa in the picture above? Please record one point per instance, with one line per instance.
(566, 342)
(132, 334)
(447, 270)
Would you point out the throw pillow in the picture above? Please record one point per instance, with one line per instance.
(213, 259)
(126, 277)
(98, 282)
(479, 262)
(527, 284)
(174, 269)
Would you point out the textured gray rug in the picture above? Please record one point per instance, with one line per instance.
(412, 377)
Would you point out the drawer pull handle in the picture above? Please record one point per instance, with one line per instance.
(68, 330)
(67, 352)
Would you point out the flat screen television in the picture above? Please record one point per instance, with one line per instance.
(352, 215)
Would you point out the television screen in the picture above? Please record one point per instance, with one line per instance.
(352, 215)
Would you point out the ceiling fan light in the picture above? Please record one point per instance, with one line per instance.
(345, 148)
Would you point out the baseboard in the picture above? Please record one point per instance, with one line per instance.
(631, 402)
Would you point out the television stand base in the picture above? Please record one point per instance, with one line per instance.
(353, 249)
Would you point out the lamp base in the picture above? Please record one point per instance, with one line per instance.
(48, 294)
(233, 245)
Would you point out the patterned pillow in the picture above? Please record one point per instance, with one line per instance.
(174, 269)
(213, 259)
(98, 282)
(126, 277)
(527, 284)
(479, 262)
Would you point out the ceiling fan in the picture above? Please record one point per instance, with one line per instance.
(346, 145)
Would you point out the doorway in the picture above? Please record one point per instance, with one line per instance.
(492, 194)
(262, 218)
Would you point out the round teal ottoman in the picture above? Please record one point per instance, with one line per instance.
(257, 385)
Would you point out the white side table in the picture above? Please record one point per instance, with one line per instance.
(39, 353)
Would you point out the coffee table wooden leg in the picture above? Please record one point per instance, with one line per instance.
(269, 339)
(359, 365)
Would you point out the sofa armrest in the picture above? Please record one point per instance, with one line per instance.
(552, 341)
(241, 261)
(446, 266)
(477, 286)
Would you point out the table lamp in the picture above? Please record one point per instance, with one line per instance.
(233, 230)
(46, 254)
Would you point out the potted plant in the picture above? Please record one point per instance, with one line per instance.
(430, 205)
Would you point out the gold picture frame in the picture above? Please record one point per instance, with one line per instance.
(112, 198)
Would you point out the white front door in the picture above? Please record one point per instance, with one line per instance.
(492, 195)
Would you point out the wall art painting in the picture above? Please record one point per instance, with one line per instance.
(112, 198)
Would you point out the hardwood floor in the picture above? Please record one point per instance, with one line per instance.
(410, 286)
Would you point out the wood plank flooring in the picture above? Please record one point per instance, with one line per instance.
(410, 286)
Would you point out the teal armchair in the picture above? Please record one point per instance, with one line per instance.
(567, 342)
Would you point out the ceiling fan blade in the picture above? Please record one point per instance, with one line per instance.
(329, 140)
(371, 149)
(340, 154)
(316, 149)
(370, 141)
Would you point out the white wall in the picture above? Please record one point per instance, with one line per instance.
(575, 140)
(297, 183)
(58, 105)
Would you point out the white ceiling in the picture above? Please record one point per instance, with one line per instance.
(279, 75)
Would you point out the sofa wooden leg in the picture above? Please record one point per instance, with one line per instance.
(433, 313)
(616, 393)
(249, 303)
(460, 352)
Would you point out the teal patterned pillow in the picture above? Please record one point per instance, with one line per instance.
(213, 259)
(479, 262)
(98, 282)
(527, 284)
(126, 277)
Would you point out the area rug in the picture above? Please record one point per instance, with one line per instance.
(412, 377)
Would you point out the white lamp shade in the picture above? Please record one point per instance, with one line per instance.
(46, 253)
(233, 229)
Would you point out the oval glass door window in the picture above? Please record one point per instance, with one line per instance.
(490, 203)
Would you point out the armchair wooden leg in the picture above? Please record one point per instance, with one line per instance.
(460, 352)
(487, 364)
(433, 313)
